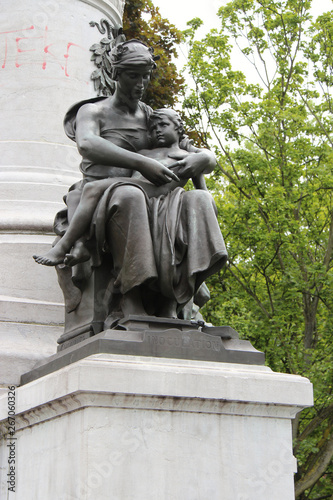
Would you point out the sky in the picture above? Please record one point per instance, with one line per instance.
(179, 12)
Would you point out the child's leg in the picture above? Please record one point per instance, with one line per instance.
(79, 253)
(80, 222)
(81, 219)
(72, 201)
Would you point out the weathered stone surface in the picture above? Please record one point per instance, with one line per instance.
(142, 428)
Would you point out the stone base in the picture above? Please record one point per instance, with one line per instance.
(154, 337)
(137, 428)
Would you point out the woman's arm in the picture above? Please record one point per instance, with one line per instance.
(92, 146)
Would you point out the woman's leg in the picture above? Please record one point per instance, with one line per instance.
(129, 240)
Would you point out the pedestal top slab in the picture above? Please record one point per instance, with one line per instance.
(142, 382)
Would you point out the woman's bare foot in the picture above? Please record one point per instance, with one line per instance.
(78, 254)
(53, 257)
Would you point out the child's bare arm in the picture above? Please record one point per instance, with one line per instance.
(199, 182)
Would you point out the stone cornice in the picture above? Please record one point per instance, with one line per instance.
(81, 400)
(114, 381)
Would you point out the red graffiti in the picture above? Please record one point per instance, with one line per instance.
(21, 50)
(35, 48)
(6, 33)
(6, 50)
(66, 56)
(47, 51)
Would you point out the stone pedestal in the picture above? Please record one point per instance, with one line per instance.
(45, 68)
(140, 428)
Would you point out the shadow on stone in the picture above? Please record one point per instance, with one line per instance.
(157, 337)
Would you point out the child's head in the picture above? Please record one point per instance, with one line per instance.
(165, 127)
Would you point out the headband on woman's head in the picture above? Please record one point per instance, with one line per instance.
(132, 53)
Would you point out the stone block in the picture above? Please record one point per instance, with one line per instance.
(134, 428)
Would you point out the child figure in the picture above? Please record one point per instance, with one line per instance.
(166, 131)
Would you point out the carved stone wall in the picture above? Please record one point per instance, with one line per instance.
(44, 68)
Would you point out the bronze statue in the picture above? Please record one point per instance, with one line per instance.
(143, 243)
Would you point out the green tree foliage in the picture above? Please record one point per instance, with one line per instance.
(143, 21)
(273, 138)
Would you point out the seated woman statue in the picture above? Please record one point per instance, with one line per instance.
(166, 130)
(162, 240)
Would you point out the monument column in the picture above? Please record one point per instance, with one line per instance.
(44, 68)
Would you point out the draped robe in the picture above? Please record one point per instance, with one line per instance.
(169, 242)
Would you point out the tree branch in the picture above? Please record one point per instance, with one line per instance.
(249, 291)
(317, 469)
(323, 414)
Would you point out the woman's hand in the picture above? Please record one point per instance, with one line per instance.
(155, 172)
(193, 165)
